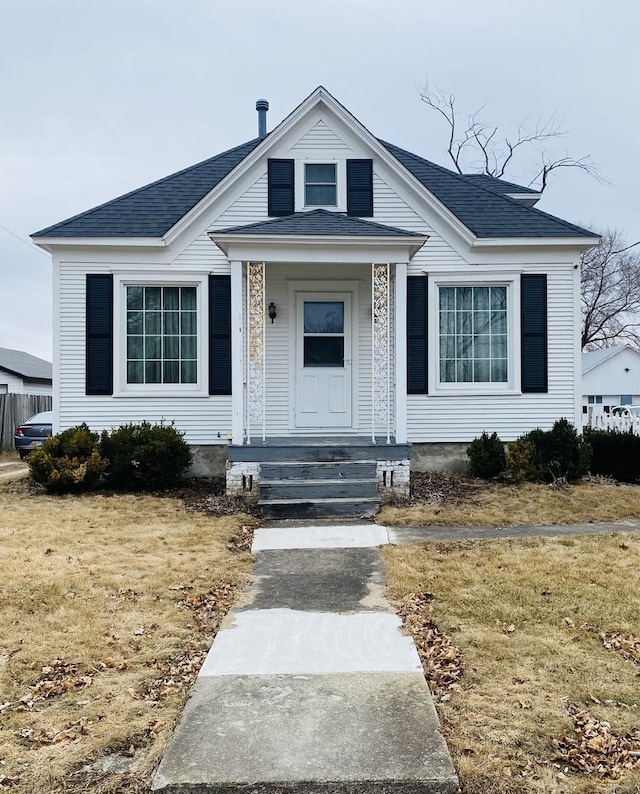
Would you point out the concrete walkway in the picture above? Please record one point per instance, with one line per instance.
(311, 687)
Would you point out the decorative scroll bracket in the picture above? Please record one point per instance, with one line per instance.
(256, 408)
(381, 351)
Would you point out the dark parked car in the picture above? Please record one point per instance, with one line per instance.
(33, 432)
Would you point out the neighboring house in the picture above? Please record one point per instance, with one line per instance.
(319, 283)
(22, 373)
(610, 377)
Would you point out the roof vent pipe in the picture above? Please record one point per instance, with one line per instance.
(262, 106)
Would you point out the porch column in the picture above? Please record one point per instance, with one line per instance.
(401, 352)
(380, 352)
(237, 356)
(256, 347)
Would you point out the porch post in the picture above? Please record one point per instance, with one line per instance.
(256, 347)
(380, 352)
(401, 352)
(237, 356)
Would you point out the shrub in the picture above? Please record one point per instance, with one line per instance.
(69, 461)
(144, 457)
(486, 456)
(615, 454)
(520, 460)
(549, 455)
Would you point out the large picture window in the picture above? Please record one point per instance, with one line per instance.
(162, 334)
(473, 334)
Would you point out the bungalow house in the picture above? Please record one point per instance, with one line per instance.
(22, 373)
(610, 377)
(318, 295)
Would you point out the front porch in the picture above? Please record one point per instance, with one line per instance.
(305, 477)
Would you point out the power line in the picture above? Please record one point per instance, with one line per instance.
(24, 242)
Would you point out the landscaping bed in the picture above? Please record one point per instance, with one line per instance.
(454, 500)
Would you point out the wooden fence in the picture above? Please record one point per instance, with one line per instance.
(14, 410)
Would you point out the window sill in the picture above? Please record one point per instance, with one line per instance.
(190, 395)
(475, 391)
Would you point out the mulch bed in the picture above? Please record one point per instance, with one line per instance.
(436, 487)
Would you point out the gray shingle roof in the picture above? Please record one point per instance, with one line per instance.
(482, 209)
(152, 210)
(479, 201)
(25, 365)
(319, 222)
(499, 185)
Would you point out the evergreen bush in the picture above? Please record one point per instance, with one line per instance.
(69, 461)
(144, 456)
(615, 454)
(550, 455)
(486, 456)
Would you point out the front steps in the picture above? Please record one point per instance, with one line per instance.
(324, 488)
(316, 478)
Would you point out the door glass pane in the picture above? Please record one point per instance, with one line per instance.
(324, 351)
(323, 317)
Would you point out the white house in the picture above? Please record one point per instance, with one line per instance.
(319, 288)
(610, 377)
(22, 373)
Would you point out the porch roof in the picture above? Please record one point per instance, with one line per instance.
(321, 222)
(318, 235)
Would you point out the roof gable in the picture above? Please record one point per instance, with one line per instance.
(480, 204)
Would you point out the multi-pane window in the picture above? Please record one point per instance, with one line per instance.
(320, 189)
(162, 338)
(473, 334)
(594, 399)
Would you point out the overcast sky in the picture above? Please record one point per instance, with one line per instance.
(100, 98)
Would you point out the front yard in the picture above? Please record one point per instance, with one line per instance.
(108, 605)
(525, 642)
(531, 648)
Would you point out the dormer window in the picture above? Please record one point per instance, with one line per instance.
(320, 187)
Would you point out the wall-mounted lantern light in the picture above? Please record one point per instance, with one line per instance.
(272, 311)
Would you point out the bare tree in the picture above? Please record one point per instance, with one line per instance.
(610, 292)
(474, 144)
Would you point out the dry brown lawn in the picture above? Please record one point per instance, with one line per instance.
(484, 504)
(526, 616)
(108, 606)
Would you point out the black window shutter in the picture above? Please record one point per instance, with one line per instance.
(533, 319)
(99, 330)
(417, 335)
(281, 187)
(360, 188)
(219, 334)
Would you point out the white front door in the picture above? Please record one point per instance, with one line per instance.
(323, 360)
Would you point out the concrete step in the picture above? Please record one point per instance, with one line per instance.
(318, 508)
(308, 490)
(318, 452)
(300, 470)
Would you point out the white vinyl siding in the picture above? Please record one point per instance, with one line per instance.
(204, 419)
(431, 417)
(462, 417)
(280, 341)
(321, 137)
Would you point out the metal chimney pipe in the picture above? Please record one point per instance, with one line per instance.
(262, 106)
